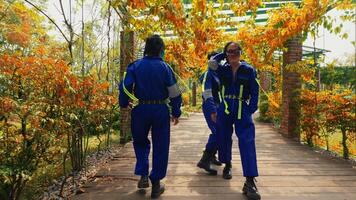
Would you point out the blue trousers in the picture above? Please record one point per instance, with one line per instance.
(245, 132)
(211, 145)
(155, 118)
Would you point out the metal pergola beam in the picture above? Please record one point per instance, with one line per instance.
(227, 14)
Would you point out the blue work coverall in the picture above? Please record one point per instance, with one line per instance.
(240, 100)
(211, 99)
(152, 82)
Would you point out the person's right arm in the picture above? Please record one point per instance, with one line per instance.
(214, 62)
(214, 66)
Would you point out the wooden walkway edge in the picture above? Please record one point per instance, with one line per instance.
(288, 170)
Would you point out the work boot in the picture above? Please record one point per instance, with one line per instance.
(227, 174)
(205, 163)
(143, 182)
(250, 189)
(214, 160)
(157, 189)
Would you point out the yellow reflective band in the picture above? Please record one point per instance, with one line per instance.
(225, 103)
(204, 80)
(219, 94)
(131, 96)
(240, 101)
(269, 98)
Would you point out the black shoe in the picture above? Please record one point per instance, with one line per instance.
(143, 183)
(205, 164)
(215, 161)
(157, 189)
(250, 189)
(227, 174)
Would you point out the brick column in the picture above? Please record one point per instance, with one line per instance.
(291, 90)
(265, 79)
(126, 57)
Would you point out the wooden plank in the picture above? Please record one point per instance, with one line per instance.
(172, 193)
(288, 170)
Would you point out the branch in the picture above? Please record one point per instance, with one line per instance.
(50, 19)
(119, 14)
(63, 13)
(96, 62)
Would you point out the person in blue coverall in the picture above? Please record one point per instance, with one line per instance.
(152, 82)
(240, 98)
(211, 99)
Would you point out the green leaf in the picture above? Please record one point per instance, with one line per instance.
(279, 24)
(353, 43)
(345, 36)
(337, 30)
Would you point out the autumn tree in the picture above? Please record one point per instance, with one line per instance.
(43, 102)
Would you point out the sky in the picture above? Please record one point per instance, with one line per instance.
(338, 47)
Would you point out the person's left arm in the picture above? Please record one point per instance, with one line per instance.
(208, 93)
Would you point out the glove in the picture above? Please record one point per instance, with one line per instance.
(214, 61)
(213, 64)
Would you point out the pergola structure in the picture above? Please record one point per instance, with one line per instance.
(307, 51)
(260, 19)
(291, 81)
(261, 12)
(227, 13)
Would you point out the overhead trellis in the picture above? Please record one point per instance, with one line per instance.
(260, 16)
(194, 28)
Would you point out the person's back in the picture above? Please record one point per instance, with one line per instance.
(152, 82)
(151, 78)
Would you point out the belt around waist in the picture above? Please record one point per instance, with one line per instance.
(152, 101)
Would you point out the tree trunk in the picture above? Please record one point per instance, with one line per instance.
(265, 80)
(126, 57)
(194, 93)
(344, 144)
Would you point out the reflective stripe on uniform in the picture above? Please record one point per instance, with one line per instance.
(240, 101)
(225, 103)
(130, 95)
(207, 94)
(220, 98)
(204, 80)
(173, 91)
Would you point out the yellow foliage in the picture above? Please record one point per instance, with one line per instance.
(18, 23)
(185, 98)
(198, 33)
(274, 105)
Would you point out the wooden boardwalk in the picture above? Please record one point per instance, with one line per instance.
(287, 170)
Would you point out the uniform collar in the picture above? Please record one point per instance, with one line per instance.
(242, 64)
(153, 57)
